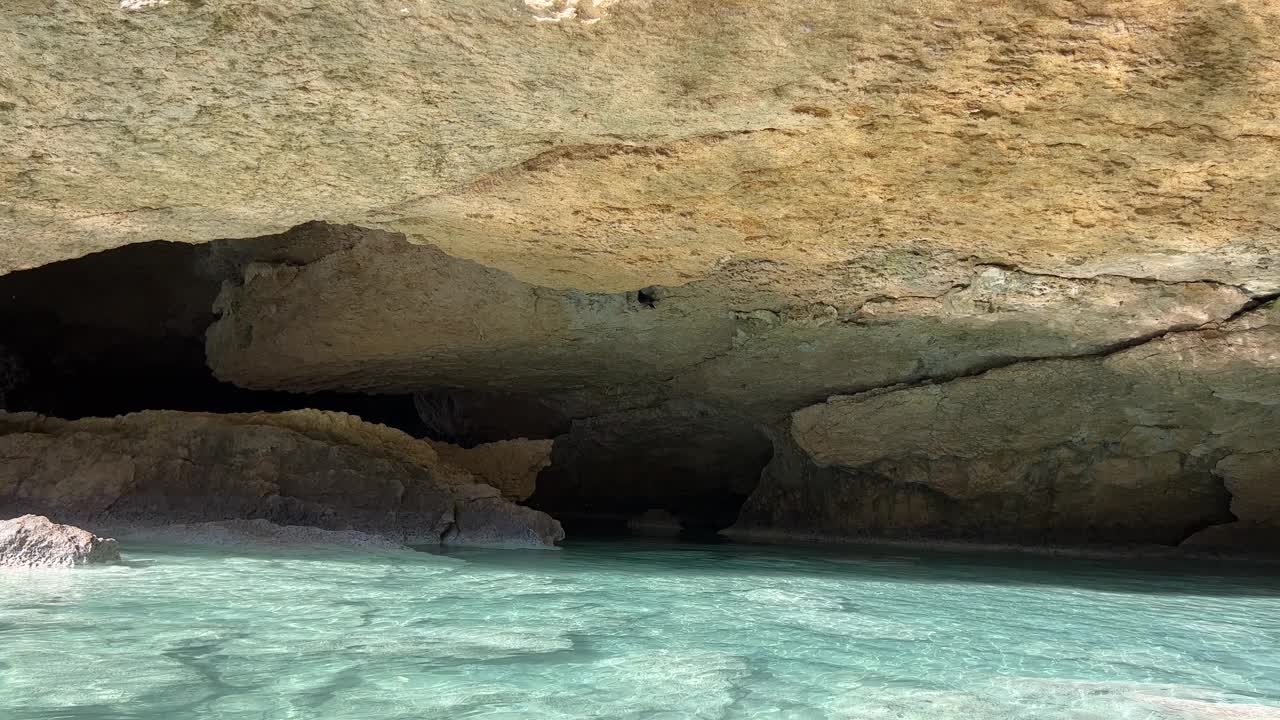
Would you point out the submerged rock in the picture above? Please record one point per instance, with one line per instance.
(327, 470)
(33, 541)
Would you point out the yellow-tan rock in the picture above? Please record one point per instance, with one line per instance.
(648, 142)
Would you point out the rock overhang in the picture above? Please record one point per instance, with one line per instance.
(618, 207)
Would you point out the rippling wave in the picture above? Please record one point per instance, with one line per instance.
(638, 630)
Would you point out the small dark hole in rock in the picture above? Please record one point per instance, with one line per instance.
(647, 296)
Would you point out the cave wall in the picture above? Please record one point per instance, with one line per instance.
(1154, 443)
(644, 142)
(671, 391)
(1010, 407)
(382, 314)
(311, 468)
(123, 331)
(823, 223)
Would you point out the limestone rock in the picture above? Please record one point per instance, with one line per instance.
(33, 541)
(491, 520)
(327, 470)
(1148, 444)
(627, 362)
(610, 146)
(1253, 479)
(326, 325)
(511, 466)
(475, 416)
(626, 208)
(254, 532)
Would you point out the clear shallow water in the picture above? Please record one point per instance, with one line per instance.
(638, 630)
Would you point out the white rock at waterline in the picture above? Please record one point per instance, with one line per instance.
(34, 541)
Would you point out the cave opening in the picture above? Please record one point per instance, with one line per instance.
(124, 331)
(679, 467)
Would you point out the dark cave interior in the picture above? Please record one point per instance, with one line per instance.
(123, 330)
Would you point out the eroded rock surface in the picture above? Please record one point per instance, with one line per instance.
(34, 541)
(327, 324)
(326, 470)
(511, 466)
(1253, 479)
(652, 141)
(582, 220)
(687, 459)
(1151, 443)
(474, 416)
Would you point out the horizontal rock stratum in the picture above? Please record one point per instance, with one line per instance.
(652, 141)
(1151, 443)
(931, 269)
(327, 470)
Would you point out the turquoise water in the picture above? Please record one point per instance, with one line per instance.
(637, 630)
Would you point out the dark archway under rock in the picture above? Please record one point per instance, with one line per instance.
(123, 331)
(921, 415)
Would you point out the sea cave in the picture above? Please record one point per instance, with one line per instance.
(639, 359)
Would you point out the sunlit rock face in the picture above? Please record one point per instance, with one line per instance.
(376, 313)
(648, 142)
(665, 233)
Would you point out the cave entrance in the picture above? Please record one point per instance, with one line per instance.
(123, 331)
(679, 466)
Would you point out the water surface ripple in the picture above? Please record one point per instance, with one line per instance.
(638, 630)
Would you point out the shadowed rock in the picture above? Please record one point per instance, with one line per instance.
(1149, 444)
(327, 470)
(255, 532)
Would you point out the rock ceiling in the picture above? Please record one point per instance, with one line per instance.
(614, 145)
